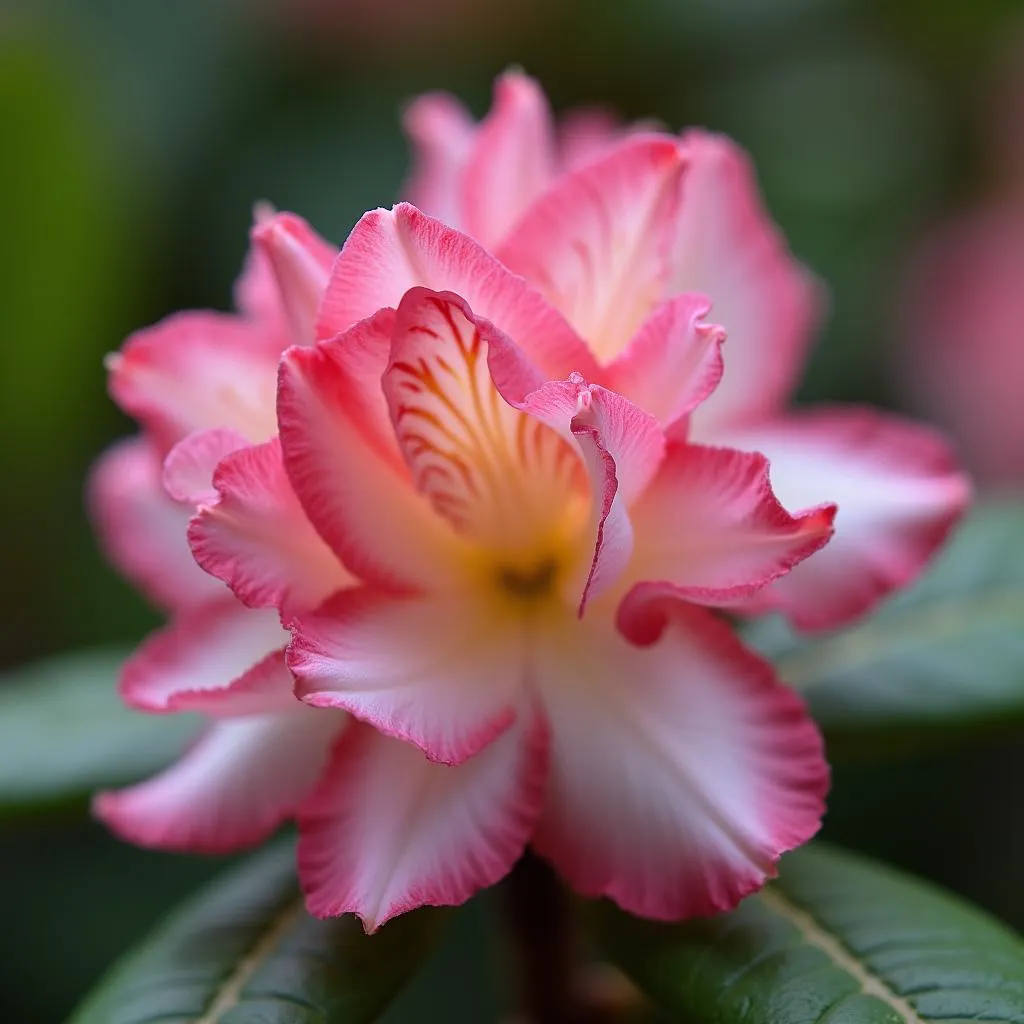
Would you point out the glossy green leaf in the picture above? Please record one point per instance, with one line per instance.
(943, 658)
(835, 938)
(244, 951)
(65, 733)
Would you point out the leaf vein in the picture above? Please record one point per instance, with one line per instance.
(816, 935)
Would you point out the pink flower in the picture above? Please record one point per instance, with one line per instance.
(962, 357)
(569, 232)
(508, 493)
(203, 387)
(535, 562)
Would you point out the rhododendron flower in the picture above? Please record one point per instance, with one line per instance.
(495, 527)
(614, 246)
(533, 555)
(203, 387)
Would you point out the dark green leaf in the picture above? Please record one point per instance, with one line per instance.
(244, 951)
(943, 658)
(837, 938)
(65, 733)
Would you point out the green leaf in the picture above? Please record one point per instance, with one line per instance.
(65, 733)
(944, 658)
(244, 951)
(837, 938)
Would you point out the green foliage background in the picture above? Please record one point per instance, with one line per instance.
(136, 137)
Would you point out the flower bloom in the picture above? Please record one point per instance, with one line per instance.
(525, 484)
(203, 386)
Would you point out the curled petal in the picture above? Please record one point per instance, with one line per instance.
(391, 251)
(194, 661)
(442, 672)
(673, 362)
(621, 447)
(898, 491)
(498, 475)
(340, 455)
(387, 831)
(512, 159)
(301, 263)
(142, 530)
(712, 530)
(190, 464)
(255, 536)
(728, 249)
(237, 784)
(193, 371)
(442, 134)
(597, 244)
(681, 769)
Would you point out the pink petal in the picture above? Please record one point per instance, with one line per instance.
(387, 831)
(190, 464)
(195, 659)
(390, 252)
(142, 530)
(498, 475)
(681, 770)
(341, 457)
(728, 248)
(711, 528)
(197, 370)
(257, 296)
(301, 263)
(240, 781)
(439, 672)
(673, 362)
(255, 536)
(898, 490)
(621, 447)
(442, 134)
(512, 159)
(597, 244)
(586, 134)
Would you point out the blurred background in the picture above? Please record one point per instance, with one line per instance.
(889, 139)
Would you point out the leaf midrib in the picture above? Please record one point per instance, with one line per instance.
(816, 935)
(228, 994)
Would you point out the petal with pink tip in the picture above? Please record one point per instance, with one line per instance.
(728, 249)
(673, 362)
(499, 476)
(240, 781)
(255, 536)
(340, 454)
(597, 244)
(142, 530)
(197, 370)
(190, 464)
(898, 491)
(442, 133)
(710, 529)
(301, 264)
(387, 831)
(201, 652)
(391, 251)
(512, 160)
(442, 672)
(680, 770)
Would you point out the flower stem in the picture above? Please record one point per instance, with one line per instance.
(540, 926)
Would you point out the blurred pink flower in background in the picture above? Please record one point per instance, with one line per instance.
(960, 324)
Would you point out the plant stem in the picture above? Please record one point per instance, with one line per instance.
(541, 929)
